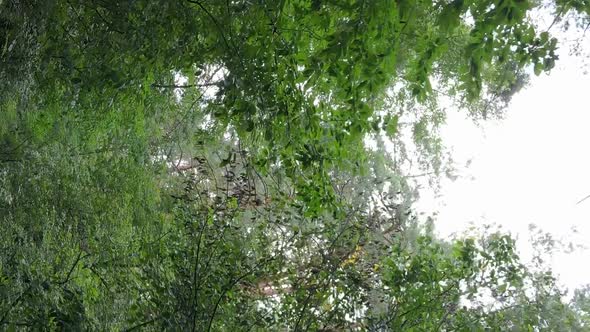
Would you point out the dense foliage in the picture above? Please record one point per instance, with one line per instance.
(201, 165)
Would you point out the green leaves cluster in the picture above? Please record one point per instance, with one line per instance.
(201, 165)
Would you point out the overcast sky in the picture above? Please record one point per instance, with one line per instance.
(531, 167)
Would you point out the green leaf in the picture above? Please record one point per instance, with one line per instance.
(390, 125)
(538, 68)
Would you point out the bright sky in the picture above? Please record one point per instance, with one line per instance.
(532, 167)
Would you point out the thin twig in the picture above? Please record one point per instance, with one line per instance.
(217, 25)
(583, 199)
(71, 269)
(135, 327)
(196, 277)
(229, 287)
(185, 86)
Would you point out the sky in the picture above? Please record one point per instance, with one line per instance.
(532, 167)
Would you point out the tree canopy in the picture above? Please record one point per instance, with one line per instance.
(202, 165)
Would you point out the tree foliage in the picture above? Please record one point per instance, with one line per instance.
(201, 165)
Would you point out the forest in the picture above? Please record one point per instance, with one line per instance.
(251, 165)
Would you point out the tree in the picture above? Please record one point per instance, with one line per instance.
(201, 164)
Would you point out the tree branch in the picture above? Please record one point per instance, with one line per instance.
(230, 286)
(583, 199)
(186, 86)
(196, 2)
